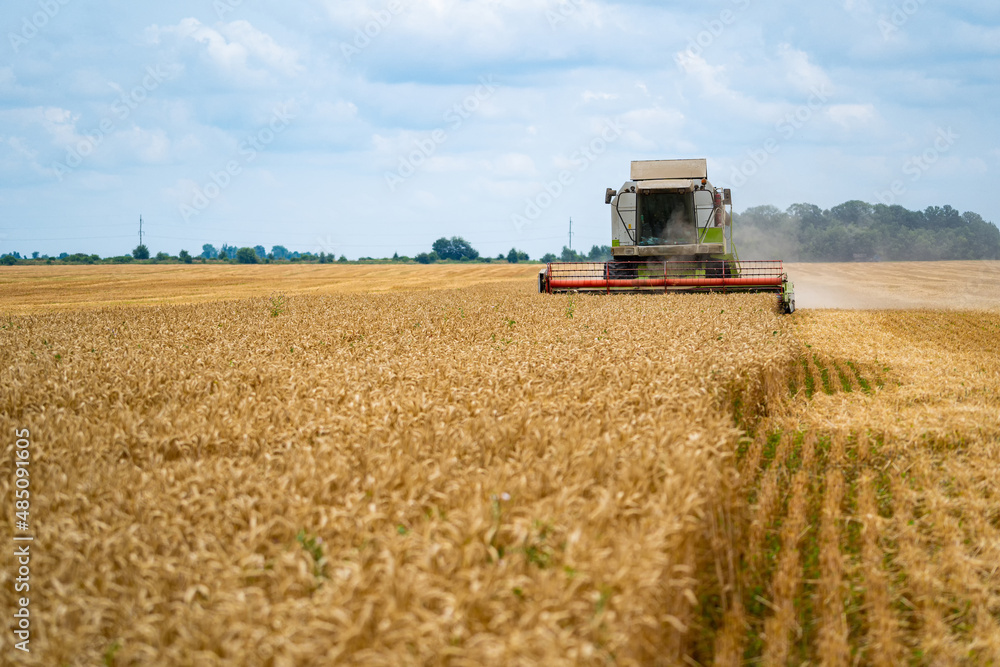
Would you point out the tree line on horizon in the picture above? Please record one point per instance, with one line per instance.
(852, 231)
(444, 249)
(858, 231)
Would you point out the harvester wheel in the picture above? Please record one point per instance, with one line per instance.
(786, 307)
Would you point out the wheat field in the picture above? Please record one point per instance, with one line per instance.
(417, 472)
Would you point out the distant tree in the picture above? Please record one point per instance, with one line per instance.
(515, 256)
(82, 258)
(395, 256)
(342, 259)
(227, 252)
(549, 257)
(442, 247)
(426, 258)
(223, 255)
(570, 255)
(34, 255)
(162, 257)
(246, 256)
(279, 252)
(261, 251)
(63, 255)
(455, 248)
(184, 256)
(8, 260)
(141, 251)
(599, 253)
(208, 251)
(856, 230)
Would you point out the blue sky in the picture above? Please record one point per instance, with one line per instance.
(367, 127)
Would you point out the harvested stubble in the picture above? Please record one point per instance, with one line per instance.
(463, 477)
(907, 495)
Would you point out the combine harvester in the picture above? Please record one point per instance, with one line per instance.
(670, 232)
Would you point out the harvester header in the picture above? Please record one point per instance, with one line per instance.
(671, 230)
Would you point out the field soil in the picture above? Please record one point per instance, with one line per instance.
(58, 287)
(890, 285)
(374, 465)
(949, 285)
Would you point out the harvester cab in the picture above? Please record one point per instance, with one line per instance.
(669, 210)
(671, 230)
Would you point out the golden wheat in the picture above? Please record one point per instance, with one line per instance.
(483, 476)
(344, 473)
(911, 576)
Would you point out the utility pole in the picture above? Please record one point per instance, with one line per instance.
(140, 229)
(571, 233)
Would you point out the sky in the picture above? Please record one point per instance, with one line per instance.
(368, 127)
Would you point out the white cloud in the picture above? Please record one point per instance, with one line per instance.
(58, 124)
(237, 49)
(710, 78)
(335, 112)
(262, 46)
(183, 192)
(26, 154)
(150, 146)
(590, 96)
(800, 72)
(851, 115)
